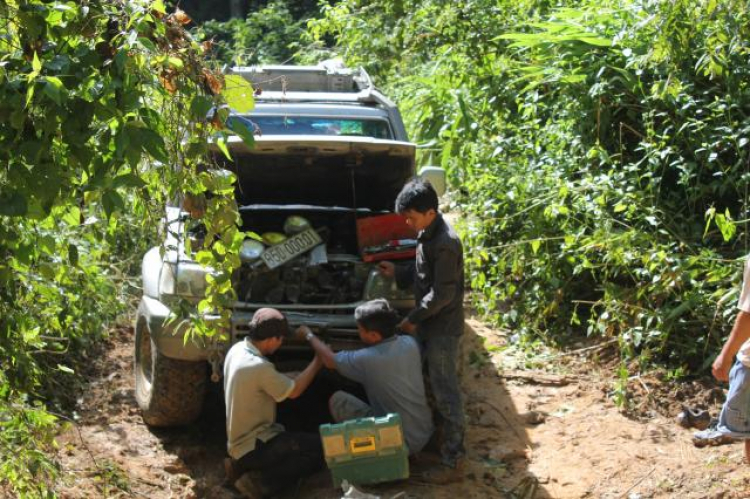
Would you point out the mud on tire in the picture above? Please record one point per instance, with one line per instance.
(169, 392)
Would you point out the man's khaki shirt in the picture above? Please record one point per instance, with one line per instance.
(252, 387)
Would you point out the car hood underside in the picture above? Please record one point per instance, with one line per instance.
(348, 172)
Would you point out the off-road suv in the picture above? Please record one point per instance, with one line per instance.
(330, 156)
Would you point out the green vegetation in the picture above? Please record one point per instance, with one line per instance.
(599, 150)
(103, 109)
(269, 35)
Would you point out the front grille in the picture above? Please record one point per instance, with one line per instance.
(336, 327)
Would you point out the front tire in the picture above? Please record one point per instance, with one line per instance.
(169, 392)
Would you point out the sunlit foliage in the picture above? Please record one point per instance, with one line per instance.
(599, 150)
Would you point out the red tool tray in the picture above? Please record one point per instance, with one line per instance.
(379, 230)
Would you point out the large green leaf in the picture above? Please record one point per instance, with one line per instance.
(128, 180)
(153, 143)
(244, 133)
(200, 106)
(55, 90)
(73, 256)
(221, 143)
(238, 93)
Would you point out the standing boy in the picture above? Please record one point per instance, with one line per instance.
(734, 420)
(264, 458)
(438, 319)
(389, 368)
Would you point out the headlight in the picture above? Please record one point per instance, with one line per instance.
(379, 286)
(186, 279)
(251, 250)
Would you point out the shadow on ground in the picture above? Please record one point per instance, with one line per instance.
(109, 452)
(497, 444)
(584, 448)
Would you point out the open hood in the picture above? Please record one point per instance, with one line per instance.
(352, 172)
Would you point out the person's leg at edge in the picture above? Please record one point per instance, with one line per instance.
(734, 419)
(343, 406)
(245, 473)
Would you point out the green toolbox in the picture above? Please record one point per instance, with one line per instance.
(366, 450)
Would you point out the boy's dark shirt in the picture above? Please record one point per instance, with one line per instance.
(438, 278)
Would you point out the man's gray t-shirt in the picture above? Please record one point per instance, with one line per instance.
(391, 372)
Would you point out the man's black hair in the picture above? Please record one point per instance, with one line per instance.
(268, 323)
(417, 195)
(377, 315)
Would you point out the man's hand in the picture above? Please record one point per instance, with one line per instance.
(407, 327)
(323, 353)
(387, 269)
(721, 368)
(301, 332)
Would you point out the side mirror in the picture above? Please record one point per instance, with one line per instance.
(435, 176)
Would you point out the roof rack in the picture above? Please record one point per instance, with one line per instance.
(326, 77)
(328, 82)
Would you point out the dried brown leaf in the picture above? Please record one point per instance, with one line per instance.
(212, 81)
(168, 80)
(181, 17)
(216, 122)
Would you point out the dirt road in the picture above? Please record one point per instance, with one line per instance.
(531, 434)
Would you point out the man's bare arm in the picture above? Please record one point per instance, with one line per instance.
(740, 333)
(303, 379)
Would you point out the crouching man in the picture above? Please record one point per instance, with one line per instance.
(265, 458)
(389, 368)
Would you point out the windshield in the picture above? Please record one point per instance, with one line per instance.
(313, 125)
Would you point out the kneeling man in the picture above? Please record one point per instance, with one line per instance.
(389, 368)
(264, 458)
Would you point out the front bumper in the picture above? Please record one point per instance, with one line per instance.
(339, 330)
(168, 333)
(335, 325)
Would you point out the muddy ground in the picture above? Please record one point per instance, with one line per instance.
(542, 426)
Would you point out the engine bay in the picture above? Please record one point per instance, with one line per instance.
(300, 281)
(331, 272)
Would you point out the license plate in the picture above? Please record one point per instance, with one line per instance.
(281, 253)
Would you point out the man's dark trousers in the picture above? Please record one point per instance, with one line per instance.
(441, 356)
(283, 460)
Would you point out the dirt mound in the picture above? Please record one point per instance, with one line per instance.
(656, 394)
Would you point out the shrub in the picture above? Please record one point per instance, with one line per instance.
(599, 152)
